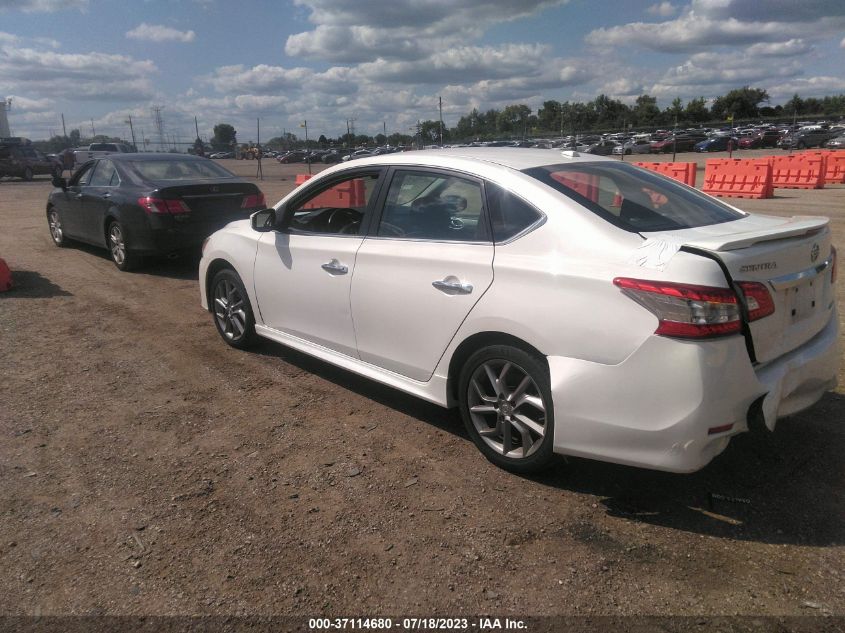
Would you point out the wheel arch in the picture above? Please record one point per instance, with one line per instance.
(474, 343)
(213, 268)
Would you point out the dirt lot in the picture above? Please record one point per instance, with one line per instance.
(147, 468)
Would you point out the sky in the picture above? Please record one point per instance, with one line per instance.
(383, 64)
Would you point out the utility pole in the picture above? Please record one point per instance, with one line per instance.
(159, 123)
(440, 101)
(93, 131)
(132, 132)
(307, 153)
(384, 129)
(259, 173)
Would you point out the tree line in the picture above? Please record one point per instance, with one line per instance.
(553, 118)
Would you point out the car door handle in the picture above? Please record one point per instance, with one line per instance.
(452, 286)
(78, 196)
(335, 267)
(107, 195)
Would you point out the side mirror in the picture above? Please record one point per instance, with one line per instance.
(60, 182)
(263, 221)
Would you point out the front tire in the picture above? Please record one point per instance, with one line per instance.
(56, 229)
(118, 245)
(233, 315)
(506, 405)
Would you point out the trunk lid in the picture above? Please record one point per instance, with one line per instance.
(213, 205)
(791, 256)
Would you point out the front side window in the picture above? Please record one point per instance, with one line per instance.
(433, 206)
(634, 199)
(337, 209)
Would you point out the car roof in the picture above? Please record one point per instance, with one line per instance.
(513, 157)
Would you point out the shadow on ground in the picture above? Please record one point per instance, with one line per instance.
(181, 265)
(29, 284)
(782, 487)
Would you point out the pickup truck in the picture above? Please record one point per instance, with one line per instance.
(98, 150)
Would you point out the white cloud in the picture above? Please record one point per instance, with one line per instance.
(715, 73)
(98, 76)
(350, 31)
(42, 6)
(842, 43)
(159, 33)
(261, 79)
(663, 9)
(698, 31)
(789, 48)
(30, 105)
(785, 10)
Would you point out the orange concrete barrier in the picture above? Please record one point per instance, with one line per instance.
(586, 185)
(765, 161)
(5, 276)
(834, 172)
(738, 178)
(835, 167)
(301, 178)
(684, 172)
(346, 195)
(799, 171)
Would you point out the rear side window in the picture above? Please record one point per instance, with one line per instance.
(634, 199)
(105, 175)
(510, 215)
(433, 206)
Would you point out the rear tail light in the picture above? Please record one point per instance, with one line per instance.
(686, 311)
(689, 311)
(758, 298)
(160, 206)
(253, 200)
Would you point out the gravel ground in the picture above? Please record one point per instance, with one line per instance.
(147, 468)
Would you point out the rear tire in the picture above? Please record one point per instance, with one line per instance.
(229, 303)
(27, 174)
(506, 404)
(118, 245)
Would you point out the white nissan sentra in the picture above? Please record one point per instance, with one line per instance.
(567, 304)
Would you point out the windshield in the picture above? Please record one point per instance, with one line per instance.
(176, 169)
(634, 199)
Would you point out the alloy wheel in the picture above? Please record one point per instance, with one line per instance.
(507, 408)
(55, 226)
(229, 310)
(117, 245)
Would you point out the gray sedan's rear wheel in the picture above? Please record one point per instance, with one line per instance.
(507, 407)
(118, 245)
(232, 312)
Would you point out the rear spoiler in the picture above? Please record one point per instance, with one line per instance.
(794, 227)
(658, 248)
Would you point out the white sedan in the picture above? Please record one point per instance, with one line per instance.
(567, 304)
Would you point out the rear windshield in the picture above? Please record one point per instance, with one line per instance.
(634, 199)
(176, 169)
